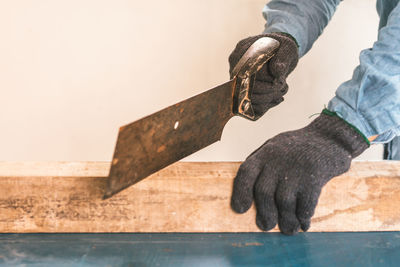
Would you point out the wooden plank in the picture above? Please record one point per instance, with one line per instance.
(185, 197)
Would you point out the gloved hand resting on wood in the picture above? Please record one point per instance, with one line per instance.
(270, 82)
(286, 174)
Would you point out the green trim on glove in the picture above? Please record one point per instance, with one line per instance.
(334, 114)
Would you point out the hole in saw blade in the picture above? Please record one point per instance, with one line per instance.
(176, 125)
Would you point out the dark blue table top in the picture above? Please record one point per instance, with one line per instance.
(242, 249)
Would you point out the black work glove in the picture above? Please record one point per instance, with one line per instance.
(286, 174)
(270, 82)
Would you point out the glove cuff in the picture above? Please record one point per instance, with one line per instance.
(330, 125)
(291, 37)
(331, 113)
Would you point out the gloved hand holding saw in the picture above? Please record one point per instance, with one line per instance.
(270, 82)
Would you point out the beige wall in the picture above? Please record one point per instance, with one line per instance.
(72, 72)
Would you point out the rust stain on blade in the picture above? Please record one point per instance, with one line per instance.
(156, 141)
(161, 149)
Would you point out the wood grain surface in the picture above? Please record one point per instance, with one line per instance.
(185, 197)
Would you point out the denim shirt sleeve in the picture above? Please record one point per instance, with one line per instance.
(303, 19)
(371, 99)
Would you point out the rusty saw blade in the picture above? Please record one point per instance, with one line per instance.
(156, 141)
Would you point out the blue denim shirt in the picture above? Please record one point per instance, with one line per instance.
(371, 99)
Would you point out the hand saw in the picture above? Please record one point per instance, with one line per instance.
(156, 141)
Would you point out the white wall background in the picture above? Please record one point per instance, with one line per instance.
(72, 72)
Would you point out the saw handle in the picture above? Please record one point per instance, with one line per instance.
(259, 53)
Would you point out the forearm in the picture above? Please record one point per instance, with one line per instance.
(371, 99)
(303, 19)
